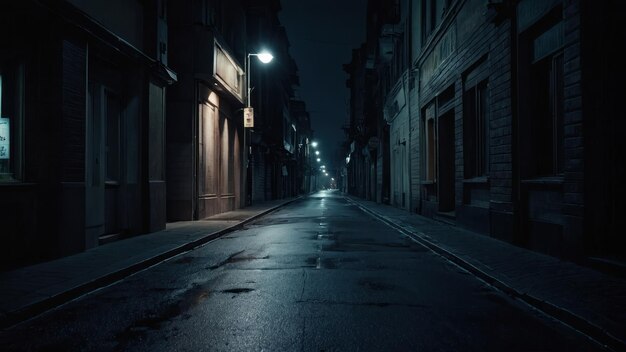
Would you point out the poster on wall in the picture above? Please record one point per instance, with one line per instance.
(5, 140)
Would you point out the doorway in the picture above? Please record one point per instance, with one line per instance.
(103, 171)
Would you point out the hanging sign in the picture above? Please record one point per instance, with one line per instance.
(248, 117)
(5, 140)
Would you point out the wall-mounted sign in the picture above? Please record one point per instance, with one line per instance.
(248, 117)
(228, 72)
(5, 138)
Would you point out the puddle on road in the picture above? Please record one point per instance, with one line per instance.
(328, 263)
(330, 236)
(153, 320)
(236, 258)
(319, 263)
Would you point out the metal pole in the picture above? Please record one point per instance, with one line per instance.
(248, 80)
(244, 169)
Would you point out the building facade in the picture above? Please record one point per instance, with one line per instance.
(82, 124)
(274, 143)
(506, 110)
(118, 116)
(204, 113)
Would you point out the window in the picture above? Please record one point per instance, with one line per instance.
(11, 120)
(542, 88)
(547, 115)
(162, 8)
(112, 137)
(213, 13)
(430, 134)
(475, 131)
(429, 18)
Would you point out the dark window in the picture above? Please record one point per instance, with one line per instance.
(213, 14)
(163, 9)
(429, 18)
(113, 140)
(475, 131)
(11, 119)
(430, 144)
(547, 115)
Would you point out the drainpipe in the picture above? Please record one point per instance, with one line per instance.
(407, 83)
(416, 71)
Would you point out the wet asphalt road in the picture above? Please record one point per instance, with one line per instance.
(317, 275)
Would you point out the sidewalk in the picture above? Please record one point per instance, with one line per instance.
(590, 301)
(29, 291)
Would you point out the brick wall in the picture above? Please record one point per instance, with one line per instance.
(501, 168)
(415, 148)
(573, 188)
(478, 39)
(74, 110)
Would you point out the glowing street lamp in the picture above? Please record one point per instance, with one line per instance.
(248, 120)
(314, 144)
(317, 152)
(265, 58)
(318, 160)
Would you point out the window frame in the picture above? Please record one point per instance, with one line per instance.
(476, 130)
(552, 108)
(16, 69)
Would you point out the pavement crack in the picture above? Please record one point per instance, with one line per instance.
(238, 290)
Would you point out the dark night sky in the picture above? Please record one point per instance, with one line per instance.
(322, 34)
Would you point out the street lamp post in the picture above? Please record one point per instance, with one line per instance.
(313, 186)
(265, 58)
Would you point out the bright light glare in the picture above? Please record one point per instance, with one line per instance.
(317, 152)
(323, 166)
(332, 178)
(314, 144)
(265, 57)
(318, 160)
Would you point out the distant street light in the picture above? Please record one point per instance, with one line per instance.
(318, 160)
(317, 152)
(314, 144)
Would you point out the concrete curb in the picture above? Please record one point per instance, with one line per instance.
(595, 332)
(40, 307)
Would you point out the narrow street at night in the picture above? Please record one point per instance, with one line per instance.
(316, 275)
(312, 175)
